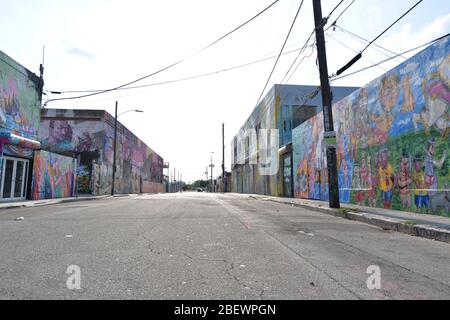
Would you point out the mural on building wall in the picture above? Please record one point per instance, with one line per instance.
(90, 134)
(71, 135)
(392, 140)
(54, 176)
(137, 164)
(19, 98)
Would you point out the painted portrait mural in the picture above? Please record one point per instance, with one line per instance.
(392, 140)
(54, 176)
(90, 135)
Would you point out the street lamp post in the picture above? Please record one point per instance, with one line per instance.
(115, 145)
(212, 166)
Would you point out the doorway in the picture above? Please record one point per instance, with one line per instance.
(14, 178)
(287, 175)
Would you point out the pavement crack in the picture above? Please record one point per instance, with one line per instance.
(314, 266)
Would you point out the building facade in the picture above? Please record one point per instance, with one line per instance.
(20, 101)
(392, 140)
(262, 149)
(88, 136)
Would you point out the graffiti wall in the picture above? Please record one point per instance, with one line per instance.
(138, 167)
(19, 106)
(392, 140)
(53, 176)
(89, 135)
(283, 108)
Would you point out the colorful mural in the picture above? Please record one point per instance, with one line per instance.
(54, 176)
(19, 98)
(89, 134)
(392, 140)
(19, 108)
(281, 109)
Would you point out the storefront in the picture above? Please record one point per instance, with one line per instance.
(16, 154)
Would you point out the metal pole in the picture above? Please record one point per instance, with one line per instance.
(223, 157)
(212, 176)
(114, 151)
(330, 135)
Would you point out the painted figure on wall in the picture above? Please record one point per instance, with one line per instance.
(84, 142)
(357, 184)
(404, 181)
(385, 178)
(436, 90)
(430, 176)
(392, 147)
(421, 197)
(59, 135)
(388, 97)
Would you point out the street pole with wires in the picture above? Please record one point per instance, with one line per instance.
(223, 157)
(114, 151)
(330, 134)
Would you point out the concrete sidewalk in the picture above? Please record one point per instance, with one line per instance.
(36, 203)
(421, 225)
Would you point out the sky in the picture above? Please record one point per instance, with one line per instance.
(101, 44)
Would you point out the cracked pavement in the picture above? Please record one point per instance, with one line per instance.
(209, 246)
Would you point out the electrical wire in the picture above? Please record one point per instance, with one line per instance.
(335, 21)
(299, 54)
(171, 65)
(391, 58)
(190, 77)
(365, 41)
(334, 9)
(281, 51)
(359, 55)
(354, 51)
(395, 22)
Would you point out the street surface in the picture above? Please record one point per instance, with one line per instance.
(209, 246)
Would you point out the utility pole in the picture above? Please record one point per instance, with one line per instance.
(174, 180)
(329, 135)
(212, 166)
(223, 157)
(206, 173)
(114, 151)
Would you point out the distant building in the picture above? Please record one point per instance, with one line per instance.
(256, 167)
(88, 136)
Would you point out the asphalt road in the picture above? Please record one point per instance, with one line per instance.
(205, 246)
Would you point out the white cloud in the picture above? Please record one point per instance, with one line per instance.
(408, 37)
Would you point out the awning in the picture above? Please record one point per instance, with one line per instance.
(11, 138)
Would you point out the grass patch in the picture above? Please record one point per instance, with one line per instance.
(411, 222)
(346, 210)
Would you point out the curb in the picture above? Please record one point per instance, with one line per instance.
(386, 223)
(52, 201)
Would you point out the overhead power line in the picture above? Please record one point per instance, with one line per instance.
(359, 55)
(298, 56)
(385, 30)
(192, 77)
(365, 41)
(336, 20)
(173, 64)
(391, 58)
(281, 51)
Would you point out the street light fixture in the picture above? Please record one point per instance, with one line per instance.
(115, 144)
